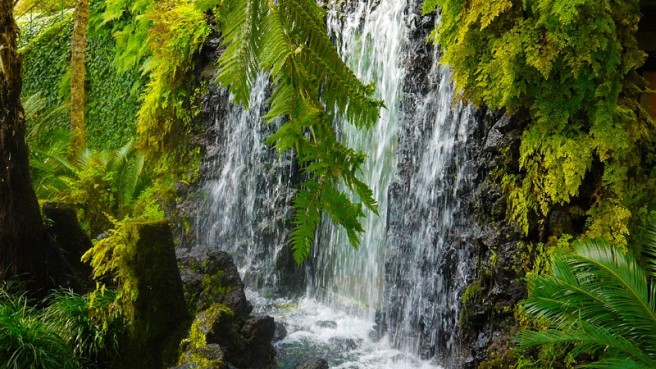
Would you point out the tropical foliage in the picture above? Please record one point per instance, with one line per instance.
(71, 331)
(86, 324)
(572, 66)
(28, 342)
(598, 301)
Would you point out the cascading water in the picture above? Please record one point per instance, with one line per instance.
(249, 189)
(342, 269)
(426, 267)
(393, 302)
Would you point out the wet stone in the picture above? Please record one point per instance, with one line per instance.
(326, 324)
(314, 364)
(343, 344)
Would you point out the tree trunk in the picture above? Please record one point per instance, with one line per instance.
(78, 71)
(26, 250)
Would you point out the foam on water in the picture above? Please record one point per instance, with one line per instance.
(346, 341)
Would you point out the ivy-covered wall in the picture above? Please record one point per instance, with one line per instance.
(112, 97)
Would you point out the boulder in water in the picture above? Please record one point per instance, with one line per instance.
(280, 333)
(314, 364)
(258, 333)
(326, 324)
(246, 345)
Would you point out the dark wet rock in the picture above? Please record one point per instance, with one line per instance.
(280, 333)
(246, 345)
(314, 364)
(258, 333)
(65, 228)
(211, 277)
(326, 324)
(343, 344)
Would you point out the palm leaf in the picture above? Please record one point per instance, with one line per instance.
(598, 299)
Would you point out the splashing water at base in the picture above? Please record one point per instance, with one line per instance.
(315, 330)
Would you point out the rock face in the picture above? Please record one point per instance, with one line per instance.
(487, 305)
(213, 286)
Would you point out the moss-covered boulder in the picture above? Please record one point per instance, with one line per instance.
(213, 325)
(212, 277)
(209, 356)
(159, 310)
(245, 345)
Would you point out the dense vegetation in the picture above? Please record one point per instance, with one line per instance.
(120, 161)
(572, 65)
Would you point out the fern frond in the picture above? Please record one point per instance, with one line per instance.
(241, 23)
(340, 88)
(311, 85)
(306, 219)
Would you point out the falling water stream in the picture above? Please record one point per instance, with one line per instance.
(392, 303)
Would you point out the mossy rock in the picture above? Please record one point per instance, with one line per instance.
(211, 278)
(246, 345)
(213, 325)
(160, 314)
(207, 357)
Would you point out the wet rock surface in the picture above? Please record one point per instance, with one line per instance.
(496, 284)
(314, 364)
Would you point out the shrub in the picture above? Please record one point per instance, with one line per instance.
(28, 342)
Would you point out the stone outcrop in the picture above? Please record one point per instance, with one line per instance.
(160, 314)
(213, 287)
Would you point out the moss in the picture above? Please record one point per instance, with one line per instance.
(141, 256)
(213, 284)
(472, 294)
(205, 323)
(112, 97)
(202, 362)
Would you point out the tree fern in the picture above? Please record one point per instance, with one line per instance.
(311, 86)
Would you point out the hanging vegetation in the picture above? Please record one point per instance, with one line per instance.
(572, 65)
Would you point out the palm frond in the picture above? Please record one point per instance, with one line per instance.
(598, 299)
(648, 248)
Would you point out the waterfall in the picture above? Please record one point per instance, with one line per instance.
(392, 303)
(426, 268)
(248, 187)
(341, 269)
